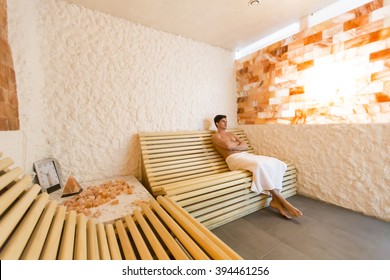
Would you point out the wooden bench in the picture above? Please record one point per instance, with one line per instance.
(186, 166)
(34, 227)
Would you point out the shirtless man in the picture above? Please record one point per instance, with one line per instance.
(228, 144)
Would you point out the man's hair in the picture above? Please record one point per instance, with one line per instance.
(217, 118)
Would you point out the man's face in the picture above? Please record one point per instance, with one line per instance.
(222, 123)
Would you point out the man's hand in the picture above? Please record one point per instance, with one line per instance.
(241, 146)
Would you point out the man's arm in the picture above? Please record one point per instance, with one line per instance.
(242, 145)
(233, 143)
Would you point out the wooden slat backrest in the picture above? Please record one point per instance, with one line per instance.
(186, 167)
(170, 157)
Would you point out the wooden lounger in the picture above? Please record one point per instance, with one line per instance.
(34, 227)
(186, 166)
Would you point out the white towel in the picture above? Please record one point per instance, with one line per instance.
(267, 172)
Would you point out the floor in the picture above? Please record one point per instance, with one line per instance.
(324, 232)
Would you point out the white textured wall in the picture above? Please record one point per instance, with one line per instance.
(89, 82)
(347, 165)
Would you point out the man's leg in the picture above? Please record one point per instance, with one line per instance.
(285, 208)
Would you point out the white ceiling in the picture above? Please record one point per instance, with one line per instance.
(229, 24)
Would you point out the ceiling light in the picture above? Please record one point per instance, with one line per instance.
(253, 3)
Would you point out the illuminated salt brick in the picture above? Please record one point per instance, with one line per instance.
(342, 37)
(369, 28)
(382, 97)
(372, 49)
(282, 92)
(309, 56)
(353, 58)
(251, 86)
(265, 121)
(381, 75)
(288, 113)
(281, 64)
(294, 76)
(376, 66)
(273, 47)
(296, 44)
(283, 121)
(361, 82)
(284, 106)
(280, 80)
(243, 93)
(297, 59)
(242, 99)
(353, 55)
(345, 17)
(312, 38)
(297, 90)
(337, 47)
(359, 109)
(323, 51)
(356, 22)
(332, 31)
(305, 65)
(372, 98)
(275, 100)
(301, 51)
(380, 13)
(374, 87)
(357, 79)
(298, 100)
(357, 41)
(324, 60)
(337, 111)
(384, 107)
(362, 99)
(381, 34)
(287, 41)
(247, 64)
(380, 55)
(381, 118)
(265, 115)
(269, 68)
(373, 108)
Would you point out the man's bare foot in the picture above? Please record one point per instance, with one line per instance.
(276, 205)
(283, 206)
(295, 212)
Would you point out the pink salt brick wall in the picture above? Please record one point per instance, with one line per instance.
(335, 72)
(9, 115)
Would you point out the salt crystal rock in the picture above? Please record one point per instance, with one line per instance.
(115, 202)
(71, 187)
